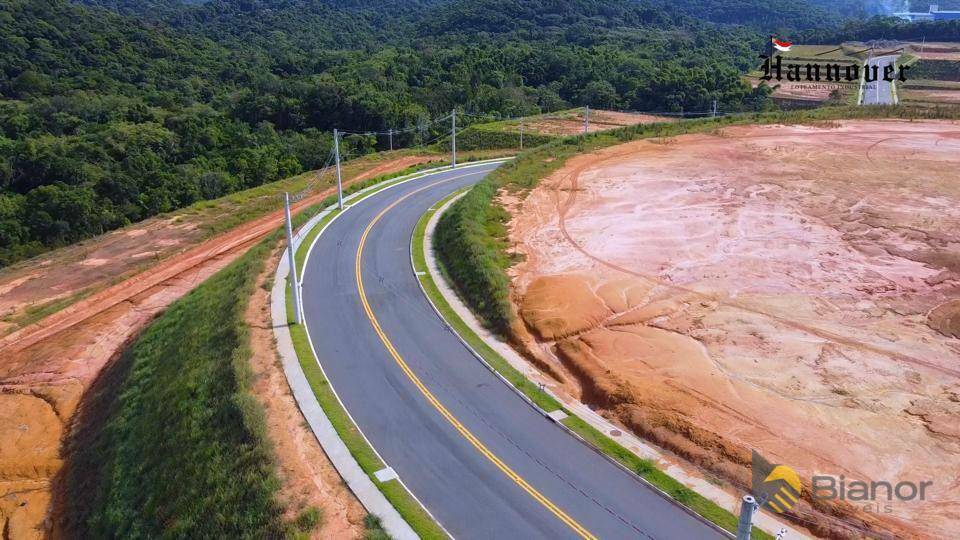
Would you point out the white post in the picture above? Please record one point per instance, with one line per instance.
(748, 506)
(586, 120)
(293, 260)
(453, 134)
(391, 139)
(521, 133)
(713, 109)
(336, 150)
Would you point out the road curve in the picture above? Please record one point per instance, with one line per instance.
(482, 461)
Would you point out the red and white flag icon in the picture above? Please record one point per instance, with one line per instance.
(781, 45)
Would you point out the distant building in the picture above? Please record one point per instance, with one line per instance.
(934, 14)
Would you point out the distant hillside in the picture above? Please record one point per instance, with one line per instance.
(115, 110)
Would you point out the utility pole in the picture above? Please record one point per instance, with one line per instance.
(336, 150)
(586, 120)
(292, 259)
(748, 507)
(713, 109)
(453, 135)
(521, 133)
(391, 139)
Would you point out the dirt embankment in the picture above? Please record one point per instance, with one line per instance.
(47, 366)
(307, 477)
(789, 289)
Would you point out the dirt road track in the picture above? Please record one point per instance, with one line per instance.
(47, 366)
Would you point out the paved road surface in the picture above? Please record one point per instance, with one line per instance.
(879, 92)
(463, 488)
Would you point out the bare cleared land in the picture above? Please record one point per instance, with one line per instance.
(790, 289)
(600, 120)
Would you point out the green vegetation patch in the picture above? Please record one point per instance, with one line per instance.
(495, 135)
(171, 443)
(521, 383)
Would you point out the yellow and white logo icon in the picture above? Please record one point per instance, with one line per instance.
(775, 486)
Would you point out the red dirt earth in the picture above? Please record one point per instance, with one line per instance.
(47, 366)
(790, 289)
(600, 120)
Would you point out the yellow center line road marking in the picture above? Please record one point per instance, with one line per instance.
(539, 497)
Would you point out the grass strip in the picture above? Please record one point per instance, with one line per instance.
(507, 371)
(170, 442)
(644, 468)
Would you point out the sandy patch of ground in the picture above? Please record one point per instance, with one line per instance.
(790, 289)
(307, 477)
(47, 366)
(600, 120)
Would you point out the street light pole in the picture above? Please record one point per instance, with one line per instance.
(521, 133)
(748, 507)
(291, 258)
(336, 150)
(453, 135)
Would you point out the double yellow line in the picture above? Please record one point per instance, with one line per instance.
(539, 497)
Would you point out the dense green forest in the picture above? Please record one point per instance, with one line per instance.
(115, 110)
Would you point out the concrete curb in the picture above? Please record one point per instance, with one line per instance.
(763, 521)
(359, 483)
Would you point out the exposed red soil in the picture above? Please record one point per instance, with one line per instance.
(307, 477)
(600, 120)
(47, 366)
(790, 289)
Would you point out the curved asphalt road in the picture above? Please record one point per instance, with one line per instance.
(461, 486)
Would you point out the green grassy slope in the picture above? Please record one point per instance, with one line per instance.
(180, 449)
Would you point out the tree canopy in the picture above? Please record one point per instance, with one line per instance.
(112, 111)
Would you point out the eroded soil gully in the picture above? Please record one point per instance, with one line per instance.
(765, 287)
